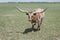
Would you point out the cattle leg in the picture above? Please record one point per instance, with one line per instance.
(33, 27)
(39, 23)
(38, 26)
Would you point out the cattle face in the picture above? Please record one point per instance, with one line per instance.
(30, 15)
(35, 16)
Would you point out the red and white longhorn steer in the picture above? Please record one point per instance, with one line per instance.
(35, 16)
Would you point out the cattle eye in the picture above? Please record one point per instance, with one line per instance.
(26, 13)
(34, 14)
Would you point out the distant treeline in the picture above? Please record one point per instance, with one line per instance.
(32, 2)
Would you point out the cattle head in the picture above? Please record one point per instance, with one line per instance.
(33, 13)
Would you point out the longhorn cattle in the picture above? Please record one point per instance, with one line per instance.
(35, 16)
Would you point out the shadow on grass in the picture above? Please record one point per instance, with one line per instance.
(29, 30)
(25, 31)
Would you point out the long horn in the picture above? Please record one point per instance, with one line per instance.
(21, 10)
(44, 9)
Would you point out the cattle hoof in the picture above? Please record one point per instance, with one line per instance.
(32, 30)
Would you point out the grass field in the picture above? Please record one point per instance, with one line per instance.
(13, 22)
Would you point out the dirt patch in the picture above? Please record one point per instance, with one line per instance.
(58, 38)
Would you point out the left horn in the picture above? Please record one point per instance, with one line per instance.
(21, 10)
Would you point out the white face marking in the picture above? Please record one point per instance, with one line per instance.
(30, 16)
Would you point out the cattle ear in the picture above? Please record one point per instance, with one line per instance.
(26, 13)
(34, 14)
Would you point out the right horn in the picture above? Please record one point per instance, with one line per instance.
(44, 9)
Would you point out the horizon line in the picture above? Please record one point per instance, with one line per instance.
(45, 1)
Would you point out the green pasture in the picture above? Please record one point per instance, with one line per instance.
(14, 23)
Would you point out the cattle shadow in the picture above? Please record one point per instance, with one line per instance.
(29, 30)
